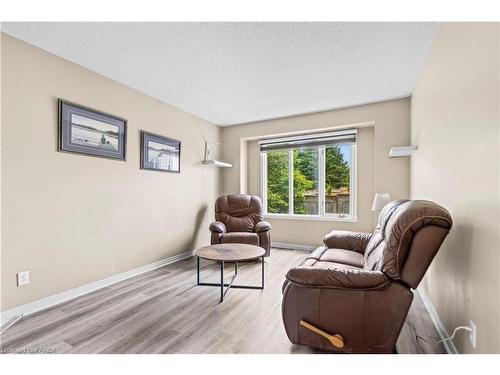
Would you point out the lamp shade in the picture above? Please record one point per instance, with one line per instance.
(380, 200)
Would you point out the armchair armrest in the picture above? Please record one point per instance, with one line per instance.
(262, 226)
(337, 278)
(218, 226)
(340, 239)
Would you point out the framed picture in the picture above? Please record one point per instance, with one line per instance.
(86, 131)
(160, 153)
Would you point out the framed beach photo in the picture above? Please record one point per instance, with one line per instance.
(86, 131)
(160, 153)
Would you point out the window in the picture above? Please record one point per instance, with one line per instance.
(310, 176)
(277, 182)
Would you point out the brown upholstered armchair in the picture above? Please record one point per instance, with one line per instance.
(239, 220)
(359, 285)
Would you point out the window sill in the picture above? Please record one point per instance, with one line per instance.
(348, 219)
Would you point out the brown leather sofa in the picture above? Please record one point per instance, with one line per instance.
(239, 220)
(359, 285)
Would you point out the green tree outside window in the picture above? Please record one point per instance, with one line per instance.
(305, 178)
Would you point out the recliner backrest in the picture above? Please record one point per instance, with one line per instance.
(406, 239)
(239, 212)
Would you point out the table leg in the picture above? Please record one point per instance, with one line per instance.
(222, 281)
(229, 285)
(262, 272)
(197, 270)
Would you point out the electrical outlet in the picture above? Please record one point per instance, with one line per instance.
(472, 333)
(23, 278)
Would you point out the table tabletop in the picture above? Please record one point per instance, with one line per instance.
(230, 252)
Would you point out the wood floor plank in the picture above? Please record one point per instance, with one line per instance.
(163, 311)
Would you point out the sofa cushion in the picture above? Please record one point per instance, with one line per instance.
(336, 268)
(398, 222)
(339, 278)
(341, 256)
(309, 262)
(241, 237)
(341, 239)
(402, 226)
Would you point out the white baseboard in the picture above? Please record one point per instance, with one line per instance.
(291, 246)
(56, 299)
(443, 334)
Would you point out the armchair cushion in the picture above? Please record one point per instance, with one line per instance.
(241, 237)
(355, 241)
(217, 226)
(239, 212)
(337, 278)
(262, 226)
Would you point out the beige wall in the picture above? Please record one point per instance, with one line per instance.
(376, 171)
(455, 123)
(71, 219)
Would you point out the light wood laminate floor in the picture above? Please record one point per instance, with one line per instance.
(163, 311)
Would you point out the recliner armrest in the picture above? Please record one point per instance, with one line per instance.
(218, 226)
(337, 278)
(341, 239)
(262, 226)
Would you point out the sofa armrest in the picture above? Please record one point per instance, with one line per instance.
(341, 239)
(218, 226)
(262, 226)
(337, 278)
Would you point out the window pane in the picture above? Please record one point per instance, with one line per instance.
(277, 182)
(305, 181)
(337, 179)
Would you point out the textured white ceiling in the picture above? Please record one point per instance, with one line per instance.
(232, 73)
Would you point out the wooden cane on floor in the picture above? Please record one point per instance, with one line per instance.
(336, 340)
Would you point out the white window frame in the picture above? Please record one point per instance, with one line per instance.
(322, 216)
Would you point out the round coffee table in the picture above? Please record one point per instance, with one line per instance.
(229, 252)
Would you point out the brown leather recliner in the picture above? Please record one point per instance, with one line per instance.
(239, 220)
(358, 285)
